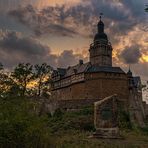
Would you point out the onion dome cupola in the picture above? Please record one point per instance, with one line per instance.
(100, 35)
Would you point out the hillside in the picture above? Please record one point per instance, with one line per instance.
(22, 125)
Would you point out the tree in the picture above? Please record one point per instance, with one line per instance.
(42, 74)
(2, 79)
(6, 83)
(23, 74)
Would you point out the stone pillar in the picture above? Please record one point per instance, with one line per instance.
(106, 118)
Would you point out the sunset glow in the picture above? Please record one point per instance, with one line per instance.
(144, 58)
(61, 28)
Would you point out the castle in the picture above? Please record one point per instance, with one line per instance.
(85, 83)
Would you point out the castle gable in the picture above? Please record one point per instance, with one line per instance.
(77, 69)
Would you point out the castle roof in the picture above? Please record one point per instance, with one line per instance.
(61, 71)
(87, 68)
(79, 68)
(105, 69)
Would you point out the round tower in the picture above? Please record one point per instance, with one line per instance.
(101, 49)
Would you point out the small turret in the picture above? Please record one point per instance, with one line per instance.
(129, 73)
(130, 78)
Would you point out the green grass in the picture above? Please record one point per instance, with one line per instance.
(22, 127)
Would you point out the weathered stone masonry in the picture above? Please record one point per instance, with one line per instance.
(94, 85)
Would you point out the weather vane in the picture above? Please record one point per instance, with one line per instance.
(101, 14)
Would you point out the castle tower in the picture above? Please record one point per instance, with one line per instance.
(101, 49)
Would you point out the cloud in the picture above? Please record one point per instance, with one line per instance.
(68, 58)
(11, 4)
(46, 21)
(131, 55)
(125, 23)
(120, 17)
(14, 49)
(14, 42)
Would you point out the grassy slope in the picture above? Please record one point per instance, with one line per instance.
(21, 127)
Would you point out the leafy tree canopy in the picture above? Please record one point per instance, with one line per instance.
(42, 73)
(23, 74)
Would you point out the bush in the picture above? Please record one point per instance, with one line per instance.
(124, 120)
(20, 128)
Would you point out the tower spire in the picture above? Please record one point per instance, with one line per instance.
(129, 67)
(129, 71)
(101, 14)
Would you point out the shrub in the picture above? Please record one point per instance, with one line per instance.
(124, 120)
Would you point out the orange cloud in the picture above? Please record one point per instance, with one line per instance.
(45, 3)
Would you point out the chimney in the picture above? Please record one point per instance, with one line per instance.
(81, 62)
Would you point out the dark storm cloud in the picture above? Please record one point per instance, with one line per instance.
(136, 7)
(55, 29)
(124, 15)
(13, 42)
(43, 22)
(131, 55)
(68, 21)
(14, 49)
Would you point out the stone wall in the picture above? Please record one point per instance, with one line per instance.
(75, 104)
(72, 92)
(145, 109)
(106, 84)
(96, 86)
(136, 108)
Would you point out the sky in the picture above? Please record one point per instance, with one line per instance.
(60, 32)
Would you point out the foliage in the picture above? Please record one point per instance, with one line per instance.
(74, 120)
(20, 126)
(24, 79)
(23, 74)
(42, 74)
(7, 85)
(124, 120)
